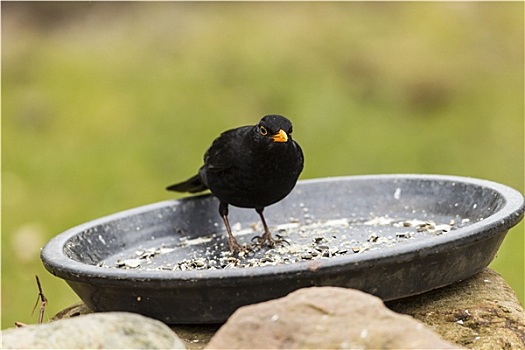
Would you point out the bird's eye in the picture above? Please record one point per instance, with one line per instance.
(263, 131)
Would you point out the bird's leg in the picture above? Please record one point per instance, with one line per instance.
(234, 246)
(267, 235)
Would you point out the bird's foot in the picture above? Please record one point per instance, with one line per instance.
(268, 240)
(280, 240)
(240, 250)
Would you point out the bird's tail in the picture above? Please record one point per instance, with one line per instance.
(192, 185)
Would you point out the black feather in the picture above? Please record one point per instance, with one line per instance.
(192, 185)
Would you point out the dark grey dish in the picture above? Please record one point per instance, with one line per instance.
(389, 235)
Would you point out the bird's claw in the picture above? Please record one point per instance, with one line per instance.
(280, 239)
(261, 240)
(240, 250)
(266, 239)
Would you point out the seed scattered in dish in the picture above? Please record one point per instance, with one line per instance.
(300, 241)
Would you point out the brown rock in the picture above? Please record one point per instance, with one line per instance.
(324, 317)
(195, 336)
(481, 312)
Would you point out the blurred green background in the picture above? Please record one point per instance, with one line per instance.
(104, 104)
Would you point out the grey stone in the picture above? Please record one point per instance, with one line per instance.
(193, 336)
(322, 318)
(480, 313)
(111, 330)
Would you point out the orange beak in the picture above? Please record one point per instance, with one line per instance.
(281, 136)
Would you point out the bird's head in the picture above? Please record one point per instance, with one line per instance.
(274, 129)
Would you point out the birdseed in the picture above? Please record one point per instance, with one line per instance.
(297, 242)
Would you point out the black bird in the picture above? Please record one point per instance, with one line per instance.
(249, 167)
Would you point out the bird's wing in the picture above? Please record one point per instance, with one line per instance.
(193, 185)
(220, 156)
(300, 156)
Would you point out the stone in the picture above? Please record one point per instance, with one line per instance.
(109, 330)
(480, 313)
(195, 336)
(324, 317)
(73, 311)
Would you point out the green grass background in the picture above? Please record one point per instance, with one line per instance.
(104, 104)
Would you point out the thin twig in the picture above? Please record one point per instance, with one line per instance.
(43, 300)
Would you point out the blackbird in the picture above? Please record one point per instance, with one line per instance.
(249, 167)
